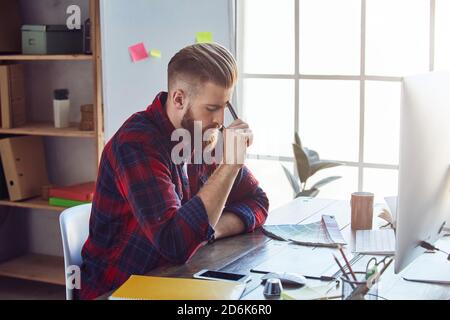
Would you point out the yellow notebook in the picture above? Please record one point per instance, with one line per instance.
(158, 288)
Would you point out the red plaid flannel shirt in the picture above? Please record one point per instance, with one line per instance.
(145, 212)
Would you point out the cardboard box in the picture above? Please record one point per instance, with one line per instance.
(51, 39)
(23, 160)
(10, 23)
(12, 96)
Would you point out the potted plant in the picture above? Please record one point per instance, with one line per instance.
(307, 163)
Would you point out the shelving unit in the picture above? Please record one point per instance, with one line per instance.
(38, 267)
(47, 129)
(33, 203)
(56, 57)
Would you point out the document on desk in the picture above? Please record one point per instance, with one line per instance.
(304, 260)
(310, 292)
(324, 233)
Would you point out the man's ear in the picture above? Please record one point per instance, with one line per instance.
(179, 98)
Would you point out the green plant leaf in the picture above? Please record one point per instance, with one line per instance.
(308, 193)
(325, 181)
(323, 164)
(297, 140)
(292, 180)
(313, 156)
(302, 163)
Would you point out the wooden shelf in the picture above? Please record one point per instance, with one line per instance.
(34, 203)
(48, 129)
(36, 267)
(50, 57)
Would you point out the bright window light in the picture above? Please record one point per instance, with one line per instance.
(330, 36)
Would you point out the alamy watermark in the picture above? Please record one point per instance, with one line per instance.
(73, 277)
(211, 146)
(73, 21)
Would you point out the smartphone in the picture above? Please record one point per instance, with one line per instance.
(224, 276)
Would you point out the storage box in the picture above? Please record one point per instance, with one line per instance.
(23, 160)
(12, 96)
(10, 22)
(51, 39)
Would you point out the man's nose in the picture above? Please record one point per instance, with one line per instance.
(219, 118)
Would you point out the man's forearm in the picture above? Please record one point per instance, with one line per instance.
(215, 192)
(229, 225)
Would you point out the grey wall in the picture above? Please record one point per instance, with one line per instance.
(166, 25)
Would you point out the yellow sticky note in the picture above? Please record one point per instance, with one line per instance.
(204, 37)
(155, 53)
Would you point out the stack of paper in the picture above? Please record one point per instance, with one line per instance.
(320, 292)
(375, 241)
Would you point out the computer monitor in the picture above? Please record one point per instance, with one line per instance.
(424, 168)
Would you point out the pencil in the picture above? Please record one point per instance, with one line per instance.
(347, 263)
(343, 272)
(341, 268)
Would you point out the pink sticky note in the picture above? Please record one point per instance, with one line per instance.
(138, 52)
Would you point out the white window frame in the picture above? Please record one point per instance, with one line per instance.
(297, 76)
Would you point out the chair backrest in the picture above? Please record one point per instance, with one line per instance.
(74, 223)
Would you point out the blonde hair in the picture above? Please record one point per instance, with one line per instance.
(201, 63)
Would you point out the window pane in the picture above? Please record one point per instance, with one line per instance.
(442, 35)
(272, 180)
(339, 189)
(382, 182)
(330, 36)
(397, 37)
(269, 43)
(329, 118)
(269, 110)
(382, 122)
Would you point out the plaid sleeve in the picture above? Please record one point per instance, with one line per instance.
(176, 230)
(248, 201)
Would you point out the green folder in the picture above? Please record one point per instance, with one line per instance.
(58, 202)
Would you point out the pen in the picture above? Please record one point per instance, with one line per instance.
(321, 278)
(347, 263)
(233, 113)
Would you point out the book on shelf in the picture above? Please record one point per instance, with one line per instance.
(83, 192)
(66, 203)
(12, 96)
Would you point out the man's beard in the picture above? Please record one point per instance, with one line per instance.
(188, 123)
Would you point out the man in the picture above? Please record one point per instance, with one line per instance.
(149, 211)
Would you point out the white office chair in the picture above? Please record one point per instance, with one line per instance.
(74, 223)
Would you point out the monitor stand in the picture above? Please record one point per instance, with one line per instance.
(430, 267)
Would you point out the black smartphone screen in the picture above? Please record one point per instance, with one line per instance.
(222, 275)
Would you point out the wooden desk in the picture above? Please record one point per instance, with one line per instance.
(246, 252)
